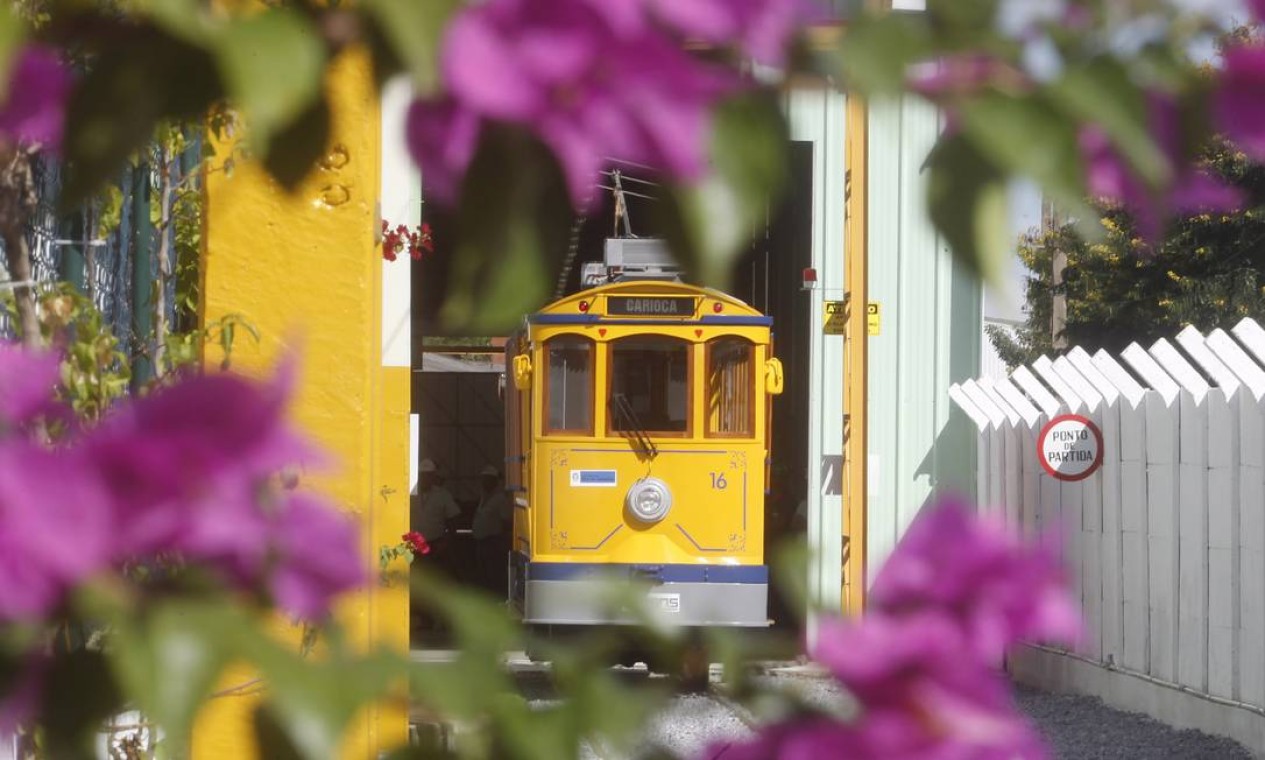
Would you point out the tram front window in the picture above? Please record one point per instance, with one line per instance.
(652, 375)
(569, 389)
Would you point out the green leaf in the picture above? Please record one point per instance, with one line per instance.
(311, 701)
(413, 30)
(274, 743)
(709, 223)
(272, 64)
(295, 150)
(968, 199)
(512, 225)
(1006, 128)
(79, 694)
(1104, 93)
(169, 659)
(143, 77)
(877, 51)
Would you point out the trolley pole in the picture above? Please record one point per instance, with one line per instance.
(856, 251)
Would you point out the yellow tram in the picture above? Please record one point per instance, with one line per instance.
(638, 426)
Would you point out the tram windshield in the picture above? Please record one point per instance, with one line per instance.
(652, 375)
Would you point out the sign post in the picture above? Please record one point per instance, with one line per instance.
(1070, 447)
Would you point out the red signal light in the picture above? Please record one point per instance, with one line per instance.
(584, 306)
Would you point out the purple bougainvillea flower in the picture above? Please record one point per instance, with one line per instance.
(442, 137)
(761, 29)
(27, 380)
(922, 663)
(1187, 189)
(55, 527)
(591, 81)
(920, 689)
(1239, 102)
(920, 695)
(997, 588)
(207, 435)
(34, 109)
(316, 555)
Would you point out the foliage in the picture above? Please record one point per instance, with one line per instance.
(94, 370)
(1207, 271)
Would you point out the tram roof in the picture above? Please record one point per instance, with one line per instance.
(650, 288)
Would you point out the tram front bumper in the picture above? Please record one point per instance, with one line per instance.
(685, 595)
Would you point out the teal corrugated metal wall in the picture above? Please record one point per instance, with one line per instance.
(929, 338)
(817, 116)
(930, 333)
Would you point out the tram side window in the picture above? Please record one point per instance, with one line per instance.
(730, 386)
(652, 376)
(569, 389)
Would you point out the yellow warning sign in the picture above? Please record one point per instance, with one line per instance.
(873, 318)
(835, 318)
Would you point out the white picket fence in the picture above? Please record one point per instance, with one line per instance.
(1166, 541)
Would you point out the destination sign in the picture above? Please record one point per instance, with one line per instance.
(649, 306)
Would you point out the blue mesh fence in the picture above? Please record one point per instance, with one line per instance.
(107, 260)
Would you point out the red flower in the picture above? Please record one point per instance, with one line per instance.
(417, 542)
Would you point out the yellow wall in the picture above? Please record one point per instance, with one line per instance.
(305, 270)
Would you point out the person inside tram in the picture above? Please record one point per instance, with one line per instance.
(490, 530)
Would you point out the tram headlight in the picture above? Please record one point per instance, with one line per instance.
(649, 500)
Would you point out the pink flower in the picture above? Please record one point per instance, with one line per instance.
(762, 29)
(55, 527)
(442, 137)
(591, 80)
(317, 557)
(921, 691)
(922, 662)
(170, 456)
(1239, 101)
(1187, 189)
(920, 695)
(187, 469)
(997, 588)
(39, 86)
(416, 542)
(27, 381)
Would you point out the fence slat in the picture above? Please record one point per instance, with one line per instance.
(1162, 426)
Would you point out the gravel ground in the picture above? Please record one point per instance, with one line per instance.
(1077, 727)
(1084, 728)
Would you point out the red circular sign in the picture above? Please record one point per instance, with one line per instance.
(1070, 447)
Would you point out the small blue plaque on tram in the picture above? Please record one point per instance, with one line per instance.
(593, 478)
(649, 306)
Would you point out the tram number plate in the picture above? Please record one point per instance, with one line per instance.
(665, 602)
